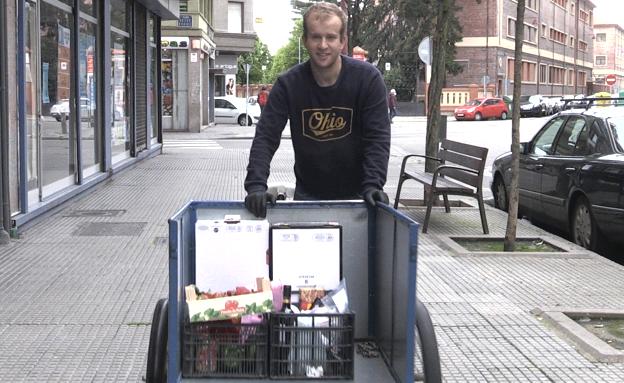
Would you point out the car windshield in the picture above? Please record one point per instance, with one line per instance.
(534, 99)
(524, 98)
(475, 102)
(617, 129)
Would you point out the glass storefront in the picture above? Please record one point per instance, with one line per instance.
(152, 103)
(31, 51)
(56, 155)
(89, 122)
(120, 80)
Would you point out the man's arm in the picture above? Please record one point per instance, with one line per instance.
(267, 139)
(375, 135)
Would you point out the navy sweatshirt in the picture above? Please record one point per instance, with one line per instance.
(340, 134)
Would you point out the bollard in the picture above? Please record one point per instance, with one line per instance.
(63, 123)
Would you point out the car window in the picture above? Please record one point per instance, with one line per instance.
(219, 103)
(616, 125)
(228, 105)
(597, 143)
(543, 142)
(566, 144)
(475, 102)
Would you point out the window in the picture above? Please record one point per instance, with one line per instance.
(561, 3)
(543, 143)
(529, 70)
(601, 37)
(572, 132)
(600, 60)
(581, 78)
(583, 16)
(572, 9)
(544, 31)
(207, 11)
(530, 32)
(557, 36)
(556, 75)
(543, 75)
(570, 76)
(235, 17)
(532, 4)
(183, 5)
(596, 141)
(571, 41)
(582, 46)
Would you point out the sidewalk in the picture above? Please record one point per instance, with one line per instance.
(78, 288)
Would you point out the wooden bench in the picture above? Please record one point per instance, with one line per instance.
(460, 172)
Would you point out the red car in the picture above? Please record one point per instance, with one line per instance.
(482, 108)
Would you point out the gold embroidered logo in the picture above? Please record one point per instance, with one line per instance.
(327, 124)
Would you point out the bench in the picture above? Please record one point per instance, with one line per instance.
(460, 172)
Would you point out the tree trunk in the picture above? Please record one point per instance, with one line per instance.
(512, 217)
(438, 60)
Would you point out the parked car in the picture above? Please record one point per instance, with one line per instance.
(554, 103)
(482, 108)
(532, 106)
(571, 175)
(232, 110)
(87, 110)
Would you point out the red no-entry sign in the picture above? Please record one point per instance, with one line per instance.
(610, 79)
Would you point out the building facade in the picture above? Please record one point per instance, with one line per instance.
(609, 55)
(557, 48)
(82, 98)
(200, 58)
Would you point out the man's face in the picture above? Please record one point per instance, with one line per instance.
(323, 41)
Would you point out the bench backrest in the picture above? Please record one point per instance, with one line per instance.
(467, 156)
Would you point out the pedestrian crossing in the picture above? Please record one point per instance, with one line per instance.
(193, 144)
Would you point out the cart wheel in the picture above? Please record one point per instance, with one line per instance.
(428, 345)
(157, 351)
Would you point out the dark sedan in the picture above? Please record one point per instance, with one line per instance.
(572, 175)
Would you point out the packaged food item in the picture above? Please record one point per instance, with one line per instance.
(308, 295)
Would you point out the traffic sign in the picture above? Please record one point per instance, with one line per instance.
(610, 79)
(424, 50)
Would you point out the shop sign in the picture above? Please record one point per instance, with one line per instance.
(227, 63)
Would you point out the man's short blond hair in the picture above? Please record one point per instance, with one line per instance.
(326, 9)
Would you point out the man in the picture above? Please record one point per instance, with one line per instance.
(263, 97)
(339, 123)
(392, 104)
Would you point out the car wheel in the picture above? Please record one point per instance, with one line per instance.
(500, 194)
(242, 120)
(583, 226)
(478, 116)
(504, 116)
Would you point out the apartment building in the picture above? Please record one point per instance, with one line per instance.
(79, 97)
(199, 55)
(557, 47)
(609, 55)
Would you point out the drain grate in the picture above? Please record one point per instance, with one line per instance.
(113, 229)
(94, 213)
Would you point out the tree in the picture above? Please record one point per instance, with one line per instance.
(257, 58)
(290, 54)
(512, 217)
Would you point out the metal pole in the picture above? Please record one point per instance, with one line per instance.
(299, 49)
(4, 124)
(247, 68)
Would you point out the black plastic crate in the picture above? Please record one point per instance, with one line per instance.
(225, 349)
(311, 346)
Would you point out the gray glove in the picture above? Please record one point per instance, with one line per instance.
(371, 196)
(256, 202)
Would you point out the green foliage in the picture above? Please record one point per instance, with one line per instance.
(257, 58)
(288, 55)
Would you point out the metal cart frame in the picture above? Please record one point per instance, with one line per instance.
(380, 243)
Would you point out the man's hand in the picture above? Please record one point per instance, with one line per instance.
(256, 203)
(371, 196)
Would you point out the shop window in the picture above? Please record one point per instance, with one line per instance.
(235, 17)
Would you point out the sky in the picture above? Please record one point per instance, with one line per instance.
(273, 22)
(273, 19)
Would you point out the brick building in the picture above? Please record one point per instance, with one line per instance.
(557, 49)
(609, 55)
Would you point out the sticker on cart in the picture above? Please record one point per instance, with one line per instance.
(230, 253)
(306, 255)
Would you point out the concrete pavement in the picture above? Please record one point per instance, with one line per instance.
(77, 289)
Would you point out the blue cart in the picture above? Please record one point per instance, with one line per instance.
(379, 265)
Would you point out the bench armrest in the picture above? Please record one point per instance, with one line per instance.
(441, 168)
(404, 163)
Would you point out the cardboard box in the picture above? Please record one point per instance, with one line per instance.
(230, 307)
